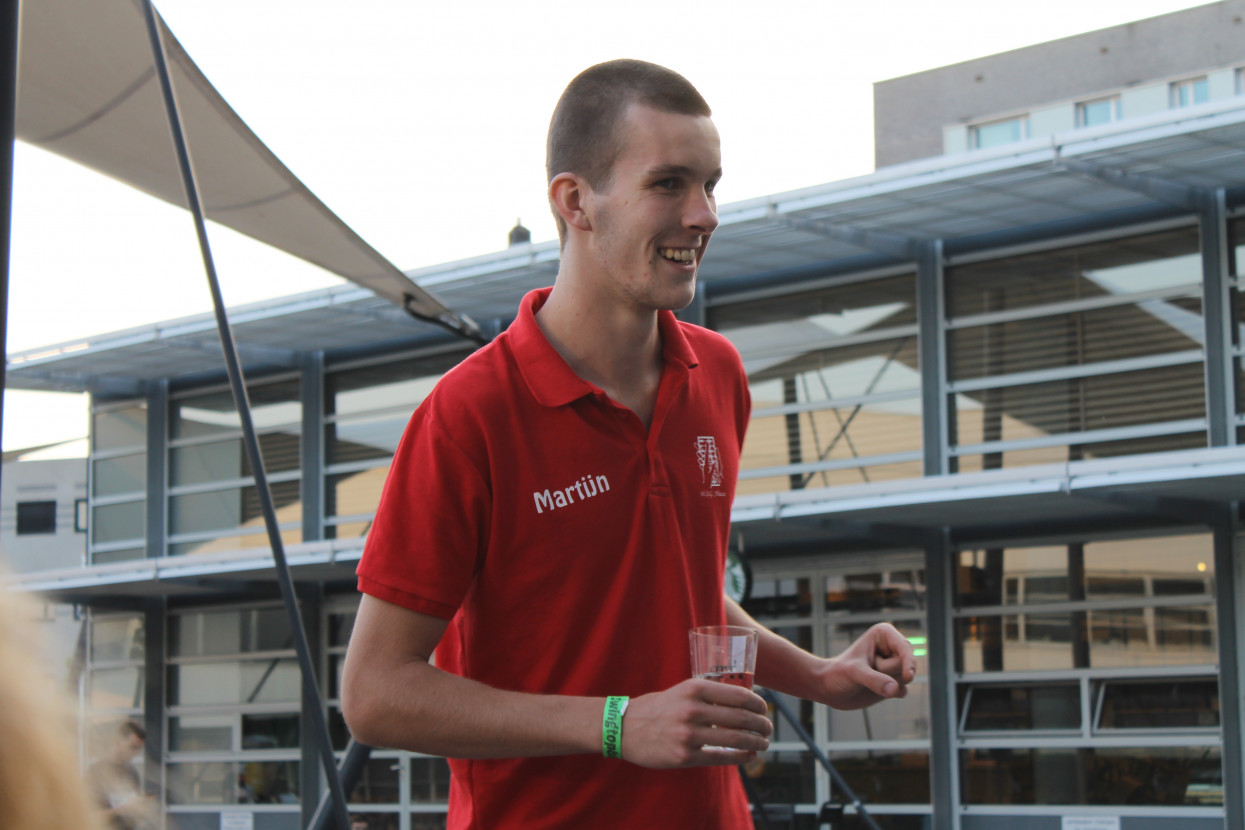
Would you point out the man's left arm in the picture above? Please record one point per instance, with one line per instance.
(878, 666)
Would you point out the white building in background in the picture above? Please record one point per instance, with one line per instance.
(43, 527)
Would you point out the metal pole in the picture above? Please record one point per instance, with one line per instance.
(9, 20)
(237, 383)
(839, 781)
(353, 761)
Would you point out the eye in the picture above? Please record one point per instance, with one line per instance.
(710, 186)
(668, 184)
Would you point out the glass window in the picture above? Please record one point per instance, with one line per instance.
(114, 639)
(1162, 704)
(340, 627)
(201, 733)
(125, 555)
(780, 597)
(365, 437)
(783, 777)
(1143, 776)
(853, 343)
(234, 631)
(885, 777)
(231, 682)
(117, 428)
(232, 508)
(399, 384)
(117, 522)
(998, 133)
(230, 782)
(1158, 261)
(998, 708)
(270, 731)
(1040, 333)
(119, 474)
(379, 782)
(430, 781)
(36, 517)
(355, 494)
(1189, 92)
(883, 590)
(1098, 111)
(228, 459)
(213, 413)
(116, 688)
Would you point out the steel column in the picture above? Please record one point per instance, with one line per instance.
(314, 714)
(9, 23)
(311, 448)
(155, 617)
(944, 761)
(932, 348)
(1217, 318)
(1230, 619)
(310, 782)
(157, 467)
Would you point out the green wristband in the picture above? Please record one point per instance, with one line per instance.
(611, 726)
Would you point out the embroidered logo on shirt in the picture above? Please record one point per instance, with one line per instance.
(585, 488)
(710, 463)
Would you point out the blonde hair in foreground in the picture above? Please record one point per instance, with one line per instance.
(41, 785)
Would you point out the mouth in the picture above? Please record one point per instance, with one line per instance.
(683, 256)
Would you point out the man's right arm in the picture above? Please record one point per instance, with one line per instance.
(392, 696)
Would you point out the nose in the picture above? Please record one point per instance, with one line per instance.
(701, 214)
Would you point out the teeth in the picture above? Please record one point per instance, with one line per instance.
(679, 254)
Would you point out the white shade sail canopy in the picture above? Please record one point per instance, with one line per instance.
(87, 90)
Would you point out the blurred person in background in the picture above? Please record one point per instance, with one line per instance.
(117, 785)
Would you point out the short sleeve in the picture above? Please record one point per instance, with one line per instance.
(431, 527)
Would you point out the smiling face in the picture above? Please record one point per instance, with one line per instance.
(652, 219)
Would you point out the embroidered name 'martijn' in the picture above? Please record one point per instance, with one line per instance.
(585, 488)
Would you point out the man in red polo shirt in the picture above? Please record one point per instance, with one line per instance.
(557, 513)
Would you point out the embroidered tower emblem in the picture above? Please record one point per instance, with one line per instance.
(709, 460)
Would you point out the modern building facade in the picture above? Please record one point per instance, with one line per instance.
(996, 400)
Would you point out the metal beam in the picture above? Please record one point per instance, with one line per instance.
(880, 242)
(931, 319)
(1156, 187)
(1230, 619)
(157, 468)
(313, 711)
(155, 618)
(311, 448)
(944, 760)
(264, 355)
(1217, 319)
(98, 385)
(9, 20)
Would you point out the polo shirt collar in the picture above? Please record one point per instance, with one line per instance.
(551, 380)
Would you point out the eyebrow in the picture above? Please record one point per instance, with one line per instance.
(680, 170)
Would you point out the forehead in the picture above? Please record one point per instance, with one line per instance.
(651, 139)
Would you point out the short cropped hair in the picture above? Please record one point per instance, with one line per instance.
(584, 131)
(128, 727)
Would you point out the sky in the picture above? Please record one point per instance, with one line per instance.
(423, 126)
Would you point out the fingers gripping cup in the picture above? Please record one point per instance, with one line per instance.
(724, 653)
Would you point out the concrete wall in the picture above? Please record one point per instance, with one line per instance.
(912, 112)
(60, 479)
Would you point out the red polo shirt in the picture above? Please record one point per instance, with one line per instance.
(571, 550)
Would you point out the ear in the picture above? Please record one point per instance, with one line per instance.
(568, 193)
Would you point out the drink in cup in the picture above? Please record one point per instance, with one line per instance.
(724, 653)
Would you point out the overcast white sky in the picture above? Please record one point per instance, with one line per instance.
(423, 127)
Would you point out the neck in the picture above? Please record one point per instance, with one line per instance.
(612, 345)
